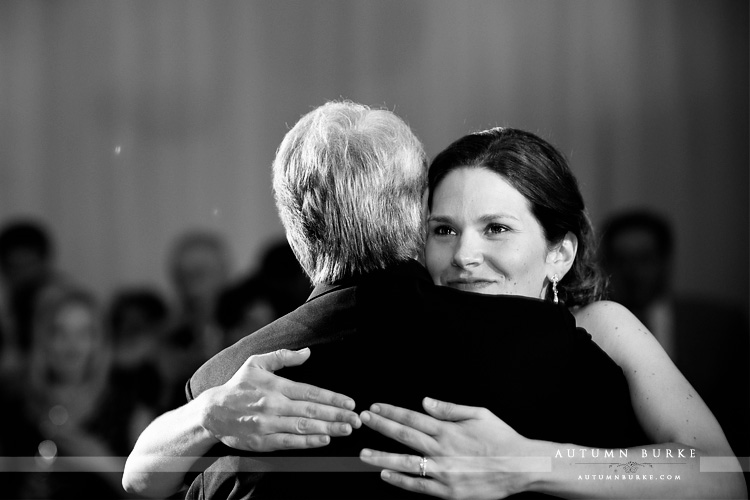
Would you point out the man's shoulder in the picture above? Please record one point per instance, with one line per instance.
(407, 288)
(325, 318)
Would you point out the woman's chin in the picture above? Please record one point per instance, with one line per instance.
(484, 287)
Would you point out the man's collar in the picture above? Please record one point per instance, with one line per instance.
(411, 267)
(325, 288)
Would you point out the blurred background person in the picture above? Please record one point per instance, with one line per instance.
(287, 285)
(277, 287)
(65, 406)
(637, 251)
(199, 266)
(706, 338)
(138, 319)
(26, 266)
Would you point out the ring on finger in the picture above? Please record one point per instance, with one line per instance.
(423, 467)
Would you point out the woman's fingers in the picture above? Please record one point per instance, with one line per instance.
(405, 434)
(418, 484)
(409, 464)
(449, 411)
(413, 419)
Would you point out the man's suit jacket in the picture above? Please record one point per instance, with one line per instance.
(394, 337)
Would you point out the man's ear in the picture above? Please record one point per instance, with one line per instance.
(425, 208)
(425, 213)
(561, 256)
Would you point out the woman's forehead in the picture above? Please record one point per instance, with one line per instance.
(479, 189)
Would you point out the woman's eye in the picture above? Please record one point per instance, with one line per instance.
(443, 231)
(496, 228)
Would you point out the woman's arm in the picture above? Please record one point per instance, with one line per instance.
(470, 453)
(476, 454)
(255, 411)
(667, 406)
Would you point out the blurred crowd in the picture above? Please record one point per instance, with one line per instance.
(81, 375)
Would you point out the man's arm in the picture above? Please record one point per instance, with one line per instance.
(254, 411)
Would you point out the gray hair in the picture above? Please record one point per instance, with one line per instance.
(348, 182)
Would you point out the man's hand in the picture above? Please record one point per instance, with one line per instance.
(255, 410)
(258, 411)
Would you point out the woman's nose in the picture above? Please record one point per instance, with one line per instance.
(468, 253)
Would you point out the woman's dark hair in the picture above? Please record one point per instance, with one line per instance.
(542, 175)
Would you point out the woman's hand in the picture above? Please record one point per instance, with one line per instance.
(259, 411)
(469, 452)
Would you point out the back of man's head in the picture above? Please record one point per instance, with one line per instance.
(348, 182)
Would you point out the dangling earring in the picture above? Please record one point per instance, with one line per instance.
(554, 289)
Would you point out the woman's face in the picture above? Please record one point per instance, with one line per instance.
(482, 237)
(71, 342)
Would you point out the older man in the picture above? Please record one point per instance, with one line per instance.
(348, 182)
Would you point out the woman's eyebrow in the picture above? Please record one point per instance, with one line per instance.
(444, 219)
(439, 218)
(494, 217)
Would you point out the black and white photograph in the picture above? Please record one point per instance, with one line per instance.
(374, 249)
